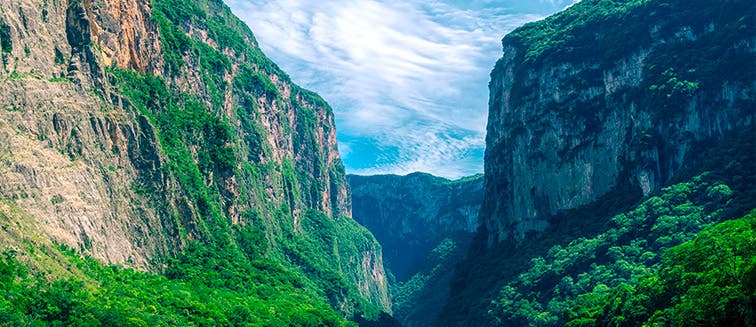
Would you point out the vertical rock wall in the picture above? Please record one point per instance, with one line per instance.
(582, 106)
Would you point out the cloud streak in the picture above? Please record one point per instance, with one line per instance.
(407, 79)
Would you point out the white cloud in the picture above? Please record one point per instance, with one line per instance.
(408, 78)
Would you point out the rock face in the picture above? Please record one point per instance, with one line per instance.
(410, 215)
(129, 130)
(614, 97)
(425, 225)
(72, 154)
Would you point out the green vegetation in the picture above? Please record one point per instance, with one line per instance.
(184, 124)
(597, 249)
(236, 258)
(56, 199)
(100, 295)
(622, 254)
(6, 43)
(254, 82)
(280, 255)
(708, 281)
(708, 35)
(423, 223)
(571, 35)
(42, 284)
(421, 296)
(170, 16)
(610, 263)
(173, 16)
(601, 247)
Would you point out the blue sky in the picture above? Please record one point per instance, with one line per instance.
(407, 80)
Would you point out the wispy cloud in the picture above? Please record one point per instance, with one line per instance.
(407, 79)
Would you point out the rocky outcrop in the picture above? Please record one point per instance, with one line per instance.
(71, 155)
(610, 98)
(88, 89)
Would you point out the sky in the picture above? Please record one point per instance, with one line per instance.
(407, 80)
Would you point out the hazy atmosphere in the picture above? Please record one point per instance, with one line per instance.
(407, 80)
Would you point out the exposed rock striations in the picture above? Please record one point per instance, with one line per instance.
(134, 127)
(72, 154)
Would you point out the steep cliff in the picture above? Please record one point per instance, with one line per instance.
(136, 129)
(617, 130)
(425, 224)
(410, 215)
(611, 96)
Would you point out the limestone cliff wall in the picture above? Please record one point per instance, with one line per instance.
(411, 214)
(425, 225)
(70, 154)
(581, 106)
(90, 165)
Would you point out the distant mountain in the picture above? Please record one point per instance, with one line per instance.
(424, 224)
